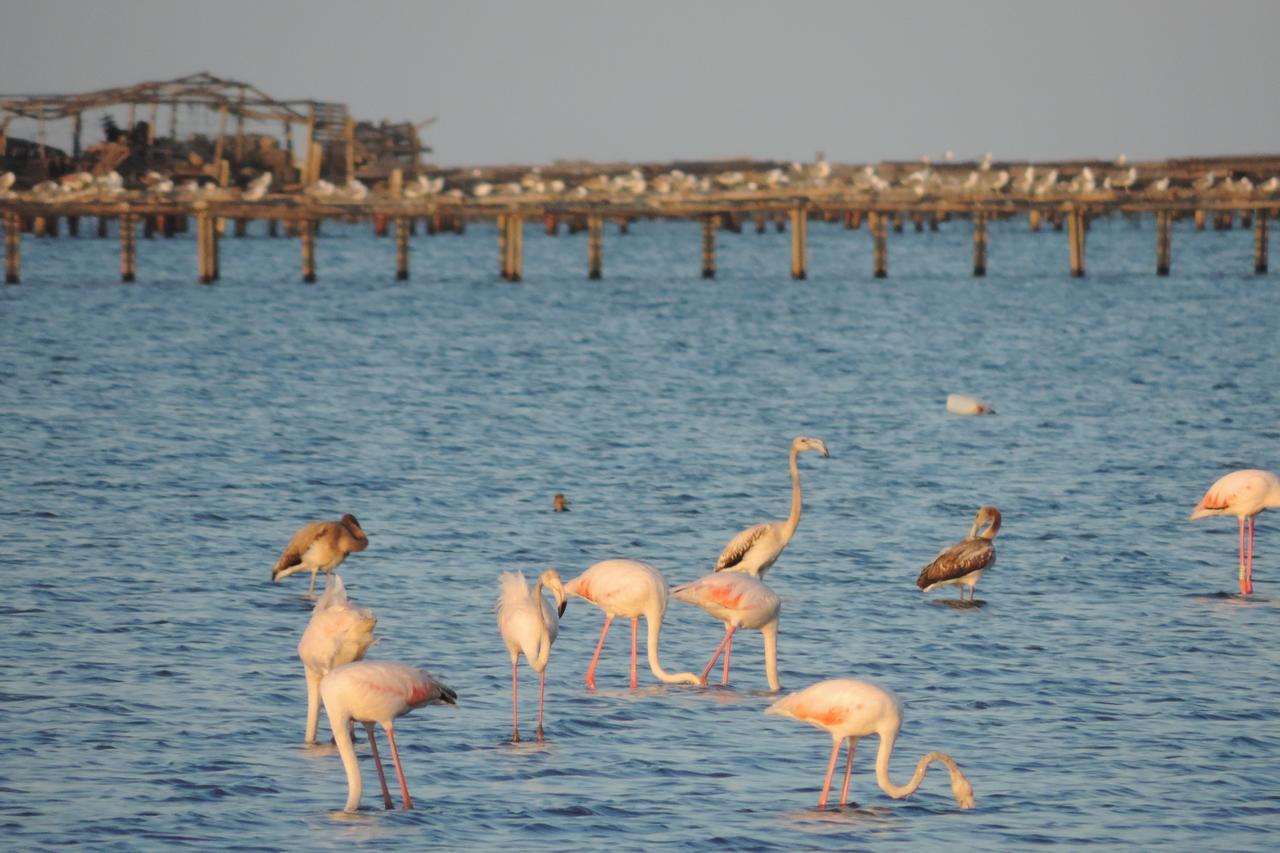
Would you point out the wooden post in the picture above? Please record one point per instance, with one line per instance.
(12, 249)
(917, 219)
(1033, 220)
(1260, 241)
(222, 131)
(897, 222)
(1200, 218)
(1246, 217)
(39, 226)
(934, 219)
(102, 227)
(273, 228)
(128, 247)
(307, 227)
(1075, 239)
(395, 183)
(350, 135)
(380, 225)
(709, 225)
(759, 221)
(799, 242)
(153, 110)
(75, 138)
(879, 243)
(504, 256)
(240, 129)
(241, 228)
(979, 243)
(595, 245)
(515, 247)
(779, 222)
(551, 224)
(402, 249)
(202, 249)
(170, 226)
(1164, 240)
(73, 226)
(149, 226)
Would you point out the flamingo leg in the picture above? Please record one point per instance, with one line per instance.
(1241, 570)
(848, 771)
(727, 635)
(542, 691)
(724, 679)
(377, 762)
(1248, 573)
(635, 632)
(395, 756)
(591, 670)
(515, 701)
(831, 769)
(311, 590)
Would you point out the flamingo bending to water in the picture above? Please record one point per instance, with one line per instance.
(632, 589)
(1243, 494)
(339, 632)
(757, 548)
(376, 692)
(529, 624)
(851, 709)
(740, 601)
(963, 563)
(320, 546)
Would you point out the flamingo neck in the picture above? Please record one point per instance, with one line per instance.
(770, 633)
(960, 787)
(539, 660)
(654, 630)
(992, 530)
(793, 520)
(342, 736)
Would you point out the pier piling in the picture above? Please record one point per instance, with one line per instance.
(879, 244)
(1164, 241)
(402, 249)
(515, 246)
(102, 227)
(1075, 239)
(979, 243)
(1260, 241)
(128, 247)
(709, 225)
(307, 230)
(595, 245)
(12, 248)
(799, 242)
(1033, 220)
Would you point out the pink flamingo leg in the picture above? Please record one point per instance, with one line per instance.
(515, 703)
(395, 756)
(542, 691)
(377, 762)
(1248, 574)
(635, 631)
(1242, 583)
(591, 670)
(728, 634)
(831, 769)
(724, 679)
(848, 771)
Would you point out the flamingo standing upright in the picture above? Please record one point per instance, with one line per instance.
(633, 589)
(529, 624)
(963, 563)
(740, 601)
(755, 549)
(320, 546)
(376, 692)
(339, 632)
(851, 709)
(1243, 494)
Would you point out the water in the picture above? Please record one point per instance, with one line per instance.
(162, 441)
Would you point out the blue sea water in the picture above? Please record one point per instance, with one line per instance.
(161, 441)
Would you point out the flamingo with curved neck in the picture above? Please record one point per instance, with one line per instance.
(529, 624)
(633, 589)
(1243, 494)
(739, 601)
(757, 548)
(850, 709)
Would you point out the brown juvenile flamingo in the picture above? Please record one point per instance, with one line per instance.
(320, 546)
(963, 563)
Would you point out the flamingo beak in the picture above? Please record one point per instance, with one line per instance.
(563, 605)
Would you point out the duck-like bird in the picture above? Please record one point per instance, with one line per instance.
(757, 548)
(320, 546)
(963, 563)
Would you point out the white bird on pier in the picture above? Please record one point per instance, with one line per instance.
(257, 187)
(339, 632)
(1270, 185)
(6, 180)
(76, 181)
(1025, 182)
(356, 190)
(1123, 181)
(1160, 186)
(164, 186)
(321, 189)
(1084, 182)
(482, 190)
(757, 548)
(529, 625)
(986, 162)
(1047, 183)
(1205, 182)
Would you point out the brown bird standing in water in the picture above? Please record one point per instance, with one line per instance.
(320, 546)
(562, 503)
(963, 563)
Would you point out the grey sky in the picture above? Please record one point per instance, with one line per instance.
(532, 82)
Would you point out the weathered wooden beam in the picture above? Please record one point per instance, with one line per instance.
(1260, 241)
(595, 246)
(709, 225)
(307, 230)
(979, 243)
(879, 243)
(349, 135)
(402, 249)
(1075, 239)
(799, 242)
(128, 247)
(12, 249)
(515, 247)
(1164, 241)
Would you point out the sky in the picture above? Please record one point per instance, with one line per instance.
(655, 80)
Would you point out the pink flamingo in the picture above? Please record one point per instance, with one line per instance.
(851, 709)
(529, 624)
(376, 692)
(740, 601)
(320, 546)
(633, 589)
(339, 632)
(1243, 494)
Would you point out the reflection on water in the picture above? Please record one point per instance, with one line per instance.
(162, 441)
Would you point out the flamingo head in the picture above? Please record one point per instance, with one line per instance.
(551, 580)
(353, 526)
(804, 442)
(988, 515)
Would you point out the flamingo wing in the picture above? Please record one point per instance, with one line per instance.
(298, 545)
(957, 561)
(739, 546)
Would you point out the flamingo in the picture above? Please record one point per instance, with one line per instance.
(1243, 494)
(376, 692)
(529, 624)
(320, 546)
(963, 404)
(339, 632)
(561, 503)
(740, 601)
(963, 563)
(755, 549)
(850, 709)
(633, 589)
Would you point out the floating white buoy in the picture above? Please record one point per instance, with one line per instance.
(963, 404)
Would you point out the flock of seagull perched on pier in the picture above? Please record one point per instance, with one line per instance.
(352, 689)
